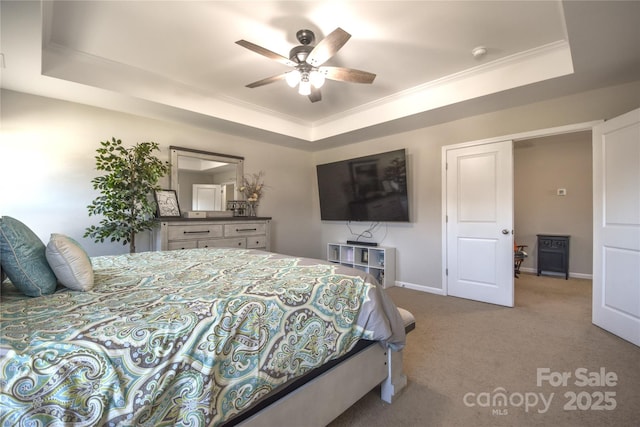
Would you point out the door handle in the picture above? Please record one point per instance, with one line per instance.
(505, 231)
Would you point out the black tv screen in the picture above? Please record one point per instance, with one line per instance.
(369, 188)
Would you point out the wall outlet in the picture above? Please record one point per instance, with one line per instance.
(562, 192)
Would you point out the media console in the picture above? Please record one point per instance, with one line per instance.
(378, 261)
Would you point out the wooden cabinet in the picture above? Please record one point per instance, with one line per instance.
(379, 261)
(553, 254)
(181, 233)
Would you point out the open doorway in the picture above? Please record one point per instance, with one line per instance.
(501, 228)
(553, 194)
(615, 221)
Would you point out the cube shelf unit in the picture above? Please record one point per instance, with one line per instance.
(378, 261)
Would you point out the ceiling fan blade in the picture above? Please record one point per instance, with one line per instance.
(266, 81)
(315, 95)
(347, 75)
(328, 47)
(266, 52)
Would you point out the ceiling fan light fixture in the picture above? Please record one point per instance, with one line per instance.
(292, 78)
(305, 86)
(316, 78)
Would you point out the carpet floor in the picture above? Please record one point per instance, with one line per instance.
(541, 363)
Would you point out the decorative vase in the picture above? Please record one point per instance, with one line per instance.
(252, 209)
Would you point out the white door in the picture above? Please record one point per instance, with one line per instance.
(616, 226)
(479, 223)
(206, 197)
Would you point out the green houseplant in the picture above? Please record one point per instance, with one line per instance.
(125, 202)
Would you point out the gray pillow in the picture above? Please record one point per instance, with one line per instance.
(70, 263)
(22, 255)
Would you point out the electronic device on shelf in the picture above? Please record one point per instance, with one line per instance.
(357, 242)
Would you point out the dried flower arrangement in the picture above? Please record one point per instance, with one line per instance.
(253, 187)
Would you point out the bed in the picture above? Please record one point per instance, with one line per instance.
(199, 337)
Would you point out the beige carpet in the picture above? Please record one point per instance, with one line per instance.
(466, 349)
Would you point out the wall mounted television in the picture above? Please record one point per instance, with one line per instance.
(369, 188)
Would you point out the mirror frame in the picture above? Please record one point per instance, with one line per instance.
(205, 155)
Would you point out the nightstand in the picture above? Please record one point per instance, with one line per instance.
(553, 254)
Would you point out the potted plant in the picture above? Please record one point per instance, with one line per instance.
(125, 203)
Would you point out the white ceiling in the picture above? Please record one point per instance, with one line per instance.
(177, 60)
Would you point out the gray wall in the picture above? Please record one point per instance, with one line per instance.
(541, 167)
(419, 243)
(48, 147)
(47, 155)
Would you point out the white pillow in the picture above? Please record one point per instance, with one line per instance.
(69, 262)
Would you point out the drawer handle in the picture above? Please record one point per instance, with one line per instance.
(196, 232)
(245, 229)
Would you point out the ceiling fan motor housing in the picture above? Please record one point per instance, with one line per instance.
(306, 37)
(299, 54)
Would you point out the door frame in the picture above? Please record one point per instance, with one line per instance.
(540, 133)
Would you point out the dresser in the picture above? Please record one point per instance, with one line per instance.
(553, 253)
(237, 232)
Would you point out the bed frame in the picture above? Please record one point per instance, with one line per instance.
(320, 400)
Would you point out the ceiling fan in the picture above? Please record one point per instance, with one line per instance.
(306, 60)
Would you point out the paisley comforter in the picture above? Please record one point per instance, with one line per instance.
(189, 337)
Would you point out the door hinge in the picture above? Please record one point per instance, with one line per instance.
(446, 271)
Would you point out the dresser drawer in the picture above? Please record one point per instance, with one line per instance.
(244, 229)
(223, 243)
(187, 244)
(194, 231)
(254, 242)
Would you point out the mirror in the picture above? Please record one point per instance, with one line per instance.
(205, 181)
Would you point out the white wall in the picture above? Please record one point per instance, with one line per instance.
(419, 243)
(47, 161)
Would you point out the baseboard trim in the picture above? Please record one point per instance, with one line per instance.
(440, 291)
(572, 275)
(421, 288)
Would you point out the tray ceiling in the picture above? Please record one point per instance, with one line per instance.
(178, 60)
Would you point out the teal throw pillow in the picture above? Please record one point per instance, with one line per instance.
(22, 255)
